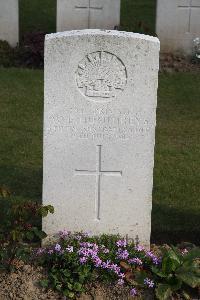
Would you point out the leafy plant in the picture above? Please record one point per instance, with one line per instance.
(6, 54)
(78, 259)
(177, 273)
(18, 228)
(30, 53)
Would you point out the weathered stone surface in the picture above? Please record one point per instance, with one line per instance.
(99, 131)
(9, 21)
(83, 14)
(178, 24)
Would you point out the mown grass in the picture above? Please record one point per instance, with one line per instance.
(176, 196)
(176, 209)
(37, 15)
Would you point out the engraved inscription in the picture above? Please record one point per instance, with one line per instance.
(98, 173)
(101, 76)
(100, 124)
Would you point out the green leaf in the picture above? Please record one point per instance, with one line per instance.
(173, 256)
(39, 233)
(186, 295)
(78, 287)
(68, 294)
(51, 209)
(59, 287)
(163, 292)
(70, 286)
(170, 262)
(190, 278)
(140, 276)
(44, 210)
(193, 254)
(29, 235)
(44, 283)
(4, 192)
(158, 272)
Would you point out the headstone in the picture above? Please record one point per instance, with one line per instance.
(9, 21)
(82, 14)
(178, 24)
(99, 131)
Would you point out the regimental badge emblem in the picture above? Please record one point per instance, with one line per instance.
(101, 76)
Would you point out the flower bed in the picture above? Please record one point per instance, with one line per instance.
(79, 259)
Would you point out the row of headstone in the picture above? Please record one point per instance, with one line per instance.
(9, 21)
(91, 14)
(177, 25)
(99, 132)
(71, 14)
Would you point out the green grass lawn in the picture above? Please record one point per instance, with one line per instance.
(176, 196)
(40, 15)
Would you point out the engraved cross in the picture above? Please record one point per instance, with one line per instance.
(190, 6)
(98, 173)
(89, 6)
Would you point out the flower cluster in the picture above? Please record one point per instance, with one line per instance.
(107, 259)
(91, 252)
(156, 260)
(149, 283)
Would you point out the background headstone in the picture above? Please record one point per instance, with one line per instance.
(9, 21)
(99, 131)
(82, 14)
(178, 24)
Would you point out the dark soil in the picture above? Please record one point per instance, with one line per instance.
(175, 63)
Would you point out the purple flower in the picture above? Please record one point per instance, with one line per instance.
(135, 260)
(70, 249)
(184, 251)
(104, 249)
(120, 282)
(122, 254)
(57, 248)
(139, 248)
(106, 265)
(154, 258)
(78, 237)
(121, 275)
(121, 243)
(115, 268)
(148, 282)
(83, 260)
(50, 251)
(133, 292)
(40, 251)
(64, 233)
(97, 261)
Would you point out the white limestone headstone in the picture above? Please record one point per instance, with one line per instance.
(99, 131)
(83, 14)
(9, 21)
(178, 24)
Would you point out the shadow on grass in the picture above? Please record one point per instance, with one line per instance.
(171, 225)
(24, 183)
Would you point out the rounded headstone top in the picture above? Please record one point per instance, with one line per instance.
(101, 32)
